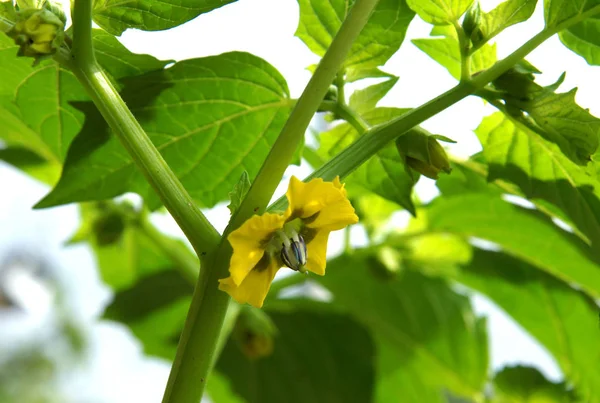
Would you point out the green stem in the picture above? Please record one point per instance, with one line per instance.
(465, 59)
(345, 112)
(379, 136)
(201, 234)
(203, 325)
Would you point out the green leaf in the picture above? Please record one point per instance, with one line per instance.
(559, 317)
(239, 192)
(154, 309)
(211, 119)
(118, 61)
(521, 384)
(362, 101)
(308, 362)
(440, 12)
(524, 233)
(420, 322)
(508, 13)
(32, 164)
(584, 39)
(385, 173)
(557, 11)
(560, 117)
(446, 51)
(36, 103)
(377, 42)
(115, 16)
(516, 154)
(359, 74)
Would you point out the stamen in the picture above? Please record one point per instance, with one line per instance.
(293, 251)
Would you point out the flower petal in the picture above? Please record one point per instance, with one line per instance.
(248, 243)
(334, 216)
(307, 199)
(317, 253)
(253, 290)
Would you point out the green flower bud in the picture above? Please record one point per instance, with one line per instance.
(254, 332)
(472, 19)
(423, 153)
(39, 33)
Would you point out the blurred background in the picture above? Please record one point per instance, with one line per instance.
(53, 345)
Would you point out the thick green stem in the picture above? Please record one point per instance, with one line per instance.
(199, 338)
(201, 234)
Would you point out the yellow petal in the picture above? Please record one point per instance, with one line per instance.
(326, 198)
(253, 290)
(317, 253)
(249, 242)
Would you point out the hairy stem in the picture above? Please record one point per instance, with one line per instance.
(197, 346)
(194, 224)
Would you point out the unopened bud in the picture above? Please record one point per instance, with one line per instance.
(423, 153)
(38, 33)
(254, 332)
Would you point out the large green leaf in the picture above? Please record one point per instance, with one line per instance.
(317, 357)
(211, 119)
(440, 12)
(564, 320)
(521, 384)
(36, 103)
(444, 49)
(584, 39)
(115, 16)
(524, 233)
(378, 41)
(385, 173)
(557, 11)
(541, 171)
(507, 13)
(420, 322)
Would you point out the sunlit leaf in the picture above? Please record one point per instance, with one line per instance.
(378, 41)
(524, 233)
(562, 319)
(440, 11)
(366, 99)
(211, 119)
(517, 154)
(115, 16)
(584, 39)
(445, 50)
(557, 11)
(507, 13)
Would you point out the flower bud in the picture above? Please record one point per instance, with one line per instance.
(39, 33)
(423, 153)
(254, 332)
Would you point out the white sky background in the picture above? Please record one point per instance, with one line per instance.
(119, 372)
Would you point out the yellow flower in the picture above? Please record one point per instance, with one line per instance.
(296, 239)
